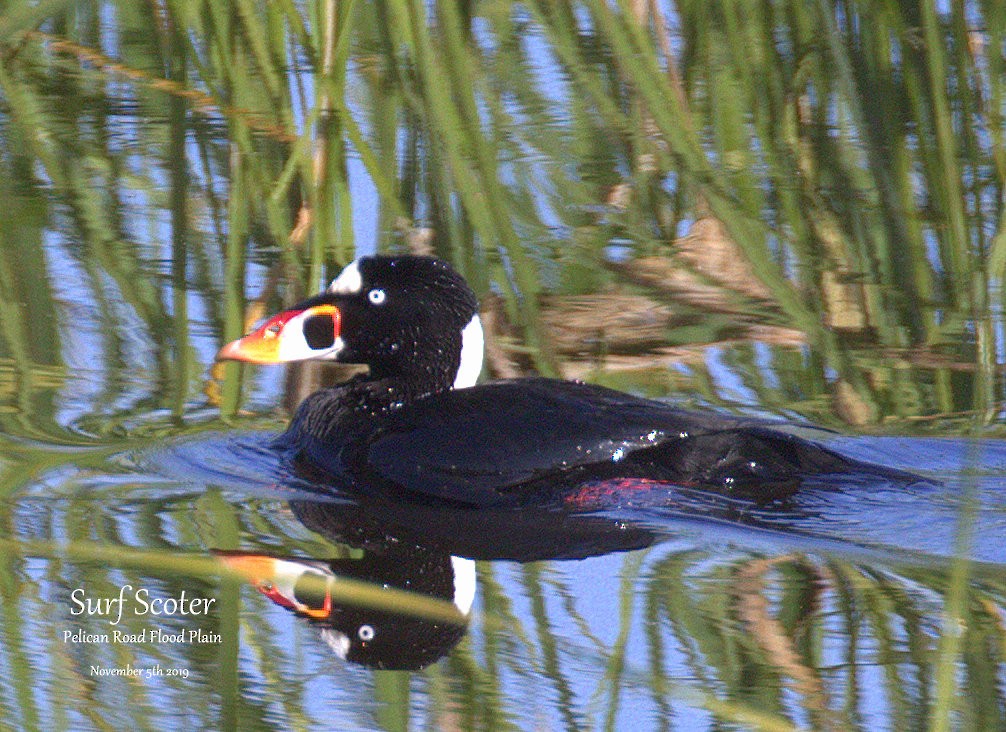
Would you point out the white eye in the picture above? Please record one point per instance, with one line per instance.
(377, 296)
(366, 633)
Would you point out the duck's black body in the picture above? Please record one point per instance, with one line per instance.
(511, 442)
(417, 428)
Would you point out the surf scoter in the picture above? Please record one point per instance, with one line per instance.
(382, 632)
(417, 427)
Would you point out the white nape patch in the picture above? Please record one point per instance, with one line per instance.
(294, 347)
(472, 350)
(338, 642)
(464, 584)
(349, 281)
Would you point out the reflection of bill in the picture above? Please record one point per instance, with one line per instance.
(400, 609)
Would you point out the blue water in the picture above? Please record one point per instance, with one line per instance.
(228, 489)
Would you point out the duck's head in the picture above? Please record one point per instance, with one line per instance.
(376, 629)
(402, 316)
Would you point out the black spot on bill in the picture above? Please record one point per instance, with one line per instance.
(319, 332)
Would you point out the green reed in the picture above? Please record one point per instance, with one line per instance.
(832, 147)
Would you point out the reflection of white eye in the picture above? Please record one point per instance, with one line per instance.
(377, 296)
(366, 633)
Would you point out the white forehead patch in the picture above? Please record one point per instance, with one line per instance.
(472, 349)
(349, 280)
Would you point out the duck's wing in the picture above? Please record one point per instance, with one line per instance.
(479, 445)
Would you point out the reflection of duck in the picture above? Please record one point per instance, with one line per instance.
(516, 534)
(417, 426)
(380, 637)
(424, 549)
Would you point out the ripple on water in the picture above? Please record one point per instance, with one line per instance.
(242, 462)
